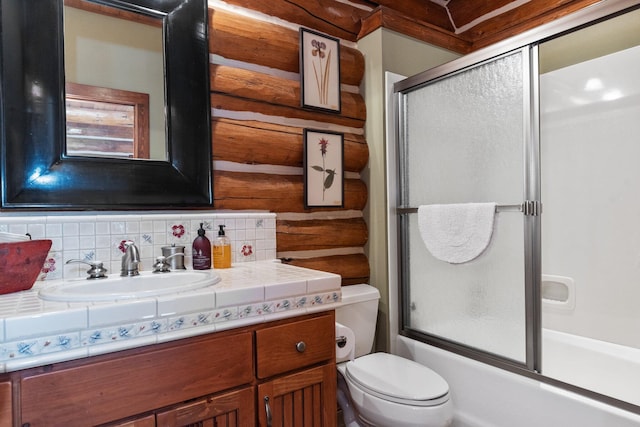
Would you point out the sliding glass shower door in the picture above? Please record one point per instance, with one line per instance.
(464, 139)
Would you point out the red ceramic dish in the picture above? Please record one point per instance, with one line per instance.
(20, 264)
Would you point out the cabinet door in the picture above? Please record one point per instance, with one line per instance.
(303, 399)
(233, 409)
(6, 416)
(147, 421)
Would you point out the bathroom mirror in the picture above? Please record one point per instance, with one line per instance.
(113, 111)
(36, 171)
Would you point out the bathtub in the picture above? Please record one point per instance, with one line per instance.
(600, 366)
(486, 396)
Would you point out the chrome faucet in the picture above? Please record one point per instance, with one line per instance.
(130, 260)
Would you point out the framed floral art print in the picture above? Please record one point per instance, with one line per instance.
(323, 169)
(319, 71)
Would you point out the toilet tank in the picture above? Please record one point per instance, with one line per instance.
(359, 312)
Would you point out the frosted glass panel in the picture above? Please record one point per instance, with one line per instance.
(464, 143)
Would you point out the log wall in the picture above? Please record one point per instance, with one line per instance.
(257, 138)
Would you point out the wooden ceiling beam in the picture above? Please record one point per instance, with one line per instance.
(390, 19)
(521, 19)
(421, 10)
(464, 12)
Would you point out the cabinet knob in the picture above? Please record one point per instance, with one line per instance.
(301, 347)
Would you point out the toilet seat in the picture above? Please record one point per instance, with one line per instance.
(393, 378)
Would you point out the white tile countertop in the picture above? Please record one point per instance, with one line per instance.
(35, 332)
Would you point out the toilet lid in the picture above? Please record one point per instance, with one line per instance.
(397, 379)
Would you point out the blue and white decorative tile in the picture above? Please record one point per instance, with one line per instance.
(301, 302)
(61, 342)
(119, 333)
(152, 327)
(328, 298)
(177, 323)
(199, 319)
(248, 310)
(323, 302)
(93, 337)
(41, 345)
(335, 297)
(266, 308)
(283, 305)
(19, 349)
(225, 314)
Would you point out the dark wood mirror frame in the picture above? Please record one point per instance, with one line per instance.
(36, 174)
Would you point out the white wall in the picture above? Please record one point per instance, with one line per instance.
(384, 51)
(590, 181)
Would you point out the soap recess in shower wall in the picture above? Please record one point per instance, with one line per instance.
(558, 293)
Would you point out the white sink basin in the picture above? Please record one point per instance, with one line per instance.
(115, 287)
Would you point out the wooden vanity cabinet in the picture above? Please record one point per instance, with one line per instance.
(142, 421)
(298, 361)
(230, 409)
(6, 404)
(303, 399)
(219, 379)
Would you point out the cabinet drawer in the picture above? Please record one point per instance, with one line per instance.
(119, 386)
(295, 345)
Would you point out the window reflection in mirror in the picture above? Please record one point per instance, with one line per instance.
(114, 65)
(103, 122)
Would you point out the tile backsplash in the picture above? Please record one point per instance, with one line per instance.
(100, 237)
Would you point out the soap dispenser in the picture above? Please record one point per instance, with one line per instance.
(222, 250)
(201, 256)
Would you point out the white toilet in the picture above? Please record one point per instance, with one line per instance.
(380, 389)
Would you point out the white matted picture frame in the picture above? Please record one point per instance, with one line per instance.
(323, 169)
(319, 71)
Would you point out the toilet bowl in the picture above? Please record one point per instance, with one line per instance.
(381, 389)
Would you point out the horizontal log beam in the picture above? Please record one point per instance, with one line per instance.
(275, 193)
(329, 16)
(354, 269)
(241, 38)
(252, 142)
(273, 90)
(383, 17)
(320, 234)
(424, 11)
(464, 12)
(232, 103)
(521, 19)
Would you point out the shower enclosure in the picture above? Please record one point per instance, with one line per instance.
(549, 130)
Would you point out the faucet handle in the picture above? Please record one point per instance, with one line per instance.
(161, 265)
(97, 270)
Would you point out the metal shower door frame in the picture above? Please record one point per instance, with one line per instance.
(531, 192)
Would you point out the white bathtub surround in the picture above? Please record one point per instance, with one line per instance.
(486, 396)
(34, 332)
(100, 236)
(608, 368)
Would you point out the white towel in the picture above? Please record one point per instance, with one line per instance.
(456, 233)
